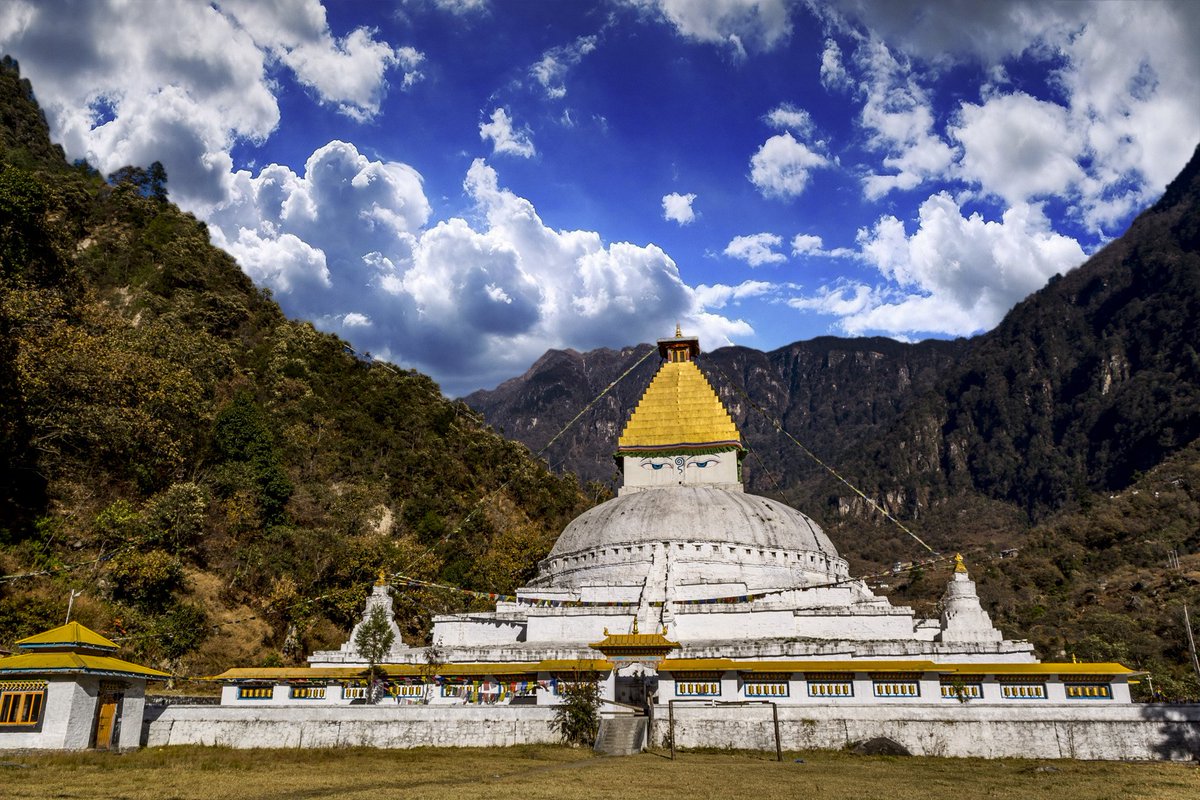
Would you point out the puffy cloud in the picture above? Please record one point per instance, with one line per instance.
(506, 140)
(897, 113)
(347, 71)
(1019, 147)
(833, 71)
(345, 244)
(807, 244)
(116, 94)
(720, 295)
(788, 117)
(678, 208)
(782, 165)
(954, 275)
(756, 249)
(738, 24)
(552, 69)
(1125, 75)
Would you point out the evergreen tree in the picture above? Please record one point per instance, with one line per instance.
(373, 641)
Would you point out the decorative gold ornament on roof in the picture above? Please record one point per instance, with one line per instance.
(959, 566)
(382, 579)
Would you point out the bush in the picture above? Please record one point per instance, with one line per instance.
(577, 718)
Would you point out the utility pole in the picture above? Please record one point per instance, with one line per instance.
(1187, 624)
(74, 594)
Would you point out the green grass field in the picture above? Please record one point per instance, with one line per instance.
(560, 773)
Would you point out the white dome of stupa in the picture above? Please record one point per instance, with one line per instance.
(713, 535)
(682, 518)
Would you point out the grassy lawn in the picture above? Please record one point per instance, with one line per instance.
(559, 773)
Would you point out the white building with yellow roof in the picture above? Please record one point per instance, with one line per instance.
(67, 690)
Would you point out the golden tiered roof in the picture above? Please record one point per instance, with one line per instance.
(679, 411)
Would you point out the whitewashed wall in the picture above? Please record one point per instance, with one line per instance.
(1125, 732)
(351, 726)
(1048, 731)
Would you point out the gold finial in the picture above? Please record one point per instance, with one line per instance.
(959, 566)
(635, 626)
(606, 632)
(678, 331)
(382, 579)
(664, 630)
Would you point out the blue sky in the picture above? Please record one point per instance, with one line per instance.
(458, 185)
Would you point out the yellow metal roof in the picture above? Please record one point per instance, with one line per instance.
(41, 663)
(678, 408)
(70, 635)
(691, 664)
(1045, 668)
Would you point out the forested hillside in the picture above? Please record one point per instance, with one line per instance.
(220, 483)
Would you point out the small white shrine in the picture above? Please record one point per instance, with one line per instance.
(67, 690)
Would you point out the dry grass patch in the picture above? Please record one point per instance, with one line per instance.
(560, 773)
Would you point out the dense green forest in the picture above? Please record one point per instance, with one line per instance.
(220, 483)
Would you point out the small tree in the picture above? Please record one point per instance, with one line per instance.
(373, 641)
(435, 659)
(577, 718)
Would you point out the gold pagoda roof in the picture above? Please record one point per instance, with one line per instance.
(42, 663)
(69, 636)
(679, 410)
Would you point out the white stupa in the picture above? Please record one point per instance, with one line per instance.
(731, 575)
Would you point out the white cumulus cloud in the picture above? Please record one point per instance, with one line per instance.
(740, 25)
(756, 249)
(678, 208)
(782, 166)
(955, 275)
(505, 139)
(348, 243)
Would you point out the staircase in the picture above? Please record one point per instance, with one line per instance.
(621, 736)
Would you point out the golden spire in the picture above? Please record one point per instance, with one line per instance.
(678, 331)
(635, 626)
(679, 409)
(382, 579)
(959, 566)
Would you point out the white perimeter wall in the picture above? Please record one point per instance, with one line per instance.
(1126, 732)
(351, 726)
(1048, 731)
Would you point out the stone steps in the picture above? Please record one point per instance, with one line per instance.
(621, 736)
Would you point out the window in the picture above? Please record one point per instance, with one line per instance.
(308, 692)
(255, 692)
(21, 702)
(1023, 691)
(830, 684)
(1089, 691)
(962, 689)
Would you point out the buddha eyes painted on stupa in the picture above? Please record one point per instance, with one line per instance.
(679, 463)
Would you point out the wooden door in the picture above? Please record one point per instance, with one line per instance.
(106, 719)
